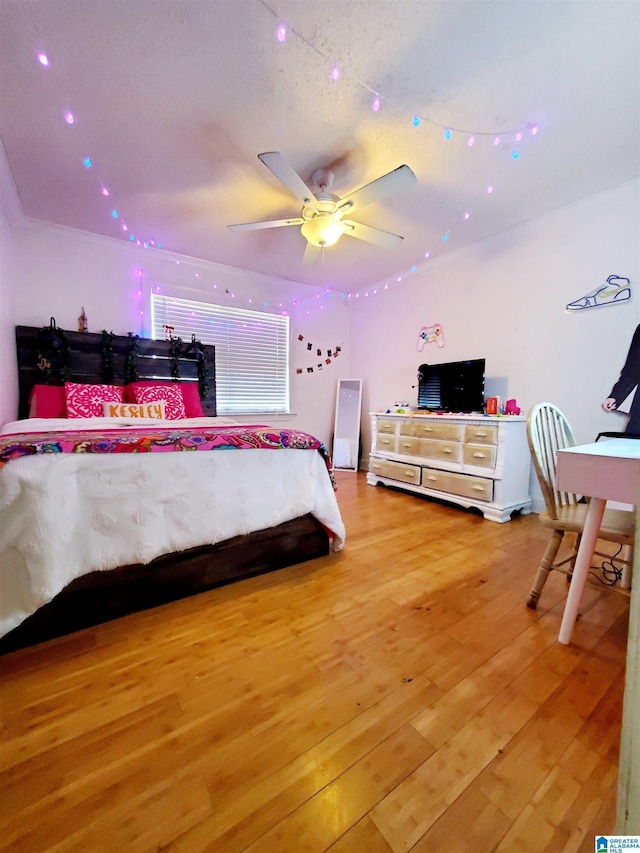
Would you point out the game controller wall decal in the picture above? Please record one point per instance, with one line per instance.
(429, 334)
(616, 289)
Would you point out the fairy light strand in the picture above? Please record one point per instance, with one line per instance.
(379, 97)
(71, 119)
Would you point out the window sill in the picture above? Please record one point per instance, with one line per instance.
(254, 415)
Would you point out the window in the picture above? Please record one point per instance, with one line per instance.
(252, 350)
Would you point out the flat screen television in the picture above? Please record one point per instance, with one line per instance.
(456, 386)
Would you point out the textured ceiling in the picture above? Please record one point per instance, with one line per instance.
(175, 100)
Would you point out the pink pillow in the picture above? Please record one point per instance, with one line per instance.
(174, 403)
(192, 401)
(85, 401)
(47, 401)
(190, 394)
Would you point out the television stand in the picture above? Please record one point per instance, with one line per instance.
(468, 460)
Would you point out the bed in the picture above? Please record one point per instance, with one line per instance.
(100, 516)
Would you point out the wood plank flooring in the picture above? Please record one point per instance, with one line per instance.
(397, 696)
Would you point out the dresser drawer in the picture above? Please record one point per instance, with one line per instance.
(458, 484)
(432, 429)
(480, 434)
(386, 442)
(395, 470)
(378, 466)
(388, 427)
(408, 444)
(446, 450)
(479, 454)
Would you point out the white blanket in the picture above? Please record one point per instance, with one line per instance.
(65, 515)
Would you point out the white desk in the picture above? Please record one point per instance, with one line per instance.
(605, 470)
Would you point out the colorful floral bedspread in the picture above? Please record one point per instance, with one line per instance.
(161, 441)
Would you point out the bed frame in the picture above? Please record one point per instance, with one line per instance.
(85, 359)
(101, 596)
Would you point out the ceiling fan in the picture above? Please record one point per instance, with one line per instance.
(322, 212)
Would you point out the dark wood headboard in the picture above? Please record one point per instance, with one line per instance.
(80, 357)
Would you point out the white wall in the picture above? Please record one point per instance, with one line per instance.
(60, 271)
(503, 299)
(10, 215)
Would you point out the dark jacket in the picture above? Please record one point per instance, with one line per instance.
(629, 379)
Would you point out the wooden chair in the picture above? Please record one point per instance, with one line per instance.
(547, 432)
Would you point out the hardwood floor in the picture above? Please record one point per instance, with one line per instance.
(396, 696)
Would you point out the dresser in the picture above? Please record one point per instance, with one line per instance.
(469, 460)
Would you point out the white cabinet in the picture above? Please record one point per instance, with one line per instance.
(469, 460)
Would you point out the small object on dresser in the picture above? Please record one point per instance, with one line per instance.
(511, 408)
(83, 324)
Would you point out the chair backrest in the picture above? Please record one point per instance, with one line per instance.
(547, 432)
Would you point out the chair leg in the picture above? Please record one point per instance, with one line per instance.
(627, 554)
(545, 567)
(575, 555)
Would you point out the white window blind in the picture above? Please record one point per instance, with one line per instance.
(252, 350)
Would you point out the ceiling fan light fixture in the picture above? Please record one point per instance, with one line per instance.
(321, 219)
(322, 231)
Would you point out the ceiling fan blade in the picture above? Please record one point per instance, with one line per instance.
(371, 235)
(275, 162)
(392, 182)
(272, 223)
(311, 254)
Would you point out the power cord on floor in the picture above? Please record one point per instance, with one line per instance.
(608, 573)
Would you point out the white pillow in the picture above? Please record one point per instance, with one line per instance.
(153, 410)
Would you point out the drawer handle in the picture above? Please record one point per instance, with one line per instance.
(478, 488)
(410, 473)
(479, 455)
(447, 450)
(433, 479)
(481, 434)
